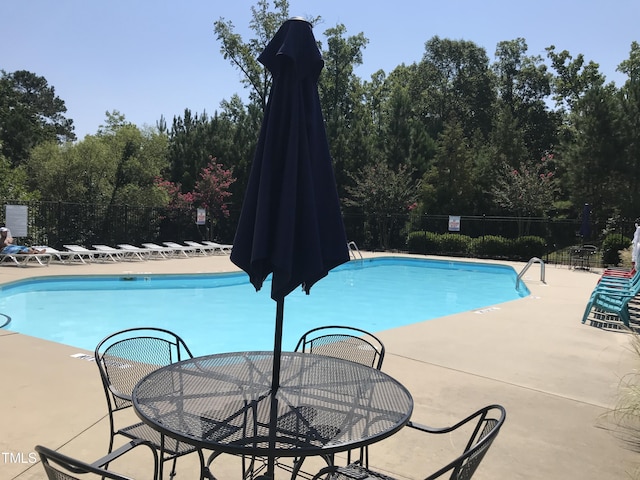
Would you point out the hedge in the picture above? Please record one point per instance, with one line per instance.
(611, 246)
(489, 246)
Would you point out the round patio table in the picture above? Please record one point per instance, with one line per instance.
(222, 402)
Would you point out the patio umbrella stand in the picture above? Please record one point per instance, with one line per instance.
(290, 226)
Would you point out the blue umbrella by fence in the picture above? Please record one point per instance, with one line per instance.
(585, 226)
(290, 225)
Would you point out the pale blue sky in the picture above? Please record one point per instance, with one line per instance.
(148, 58)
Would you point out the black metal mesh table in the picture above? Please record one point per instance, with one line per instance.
(223, 402)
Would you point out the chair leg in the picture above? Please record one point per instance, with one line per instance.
(248, 471)
(161, 460)
(173, 468)
(109, 450)
(205, 474)
(363, 458)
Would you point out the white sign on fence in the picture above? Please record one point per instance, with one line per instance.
(16, 216)
(201, 216)
(454, 223)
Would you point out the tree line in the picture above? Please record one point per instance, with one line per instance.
(453, 133)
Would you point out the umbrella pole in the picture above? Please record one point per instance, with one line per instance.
(275, 384)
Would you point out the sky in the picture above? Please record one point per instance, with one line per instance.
(153, 58)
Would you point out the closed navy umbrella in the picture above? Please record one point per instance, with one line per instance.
(290, 225)
(585, 226)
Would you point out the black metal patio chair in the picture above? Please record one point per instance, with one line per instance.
(58, 466)
(123, 359)
(348, 343)
(488, 422)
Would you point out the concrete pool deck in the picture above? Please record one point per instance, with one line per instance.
(556, 377)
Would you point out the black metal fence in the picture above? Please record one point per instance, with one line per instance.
(59, 223)
(561, 237)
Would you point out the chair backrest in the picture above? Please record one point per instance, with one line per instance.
(348, 343)
(61, 467)
(488, 420)
(125, 357)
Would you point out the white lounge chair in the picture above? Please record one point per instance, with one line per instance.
(185, 250)
(165, 252)
(91, 255)
(203, 249)
(23, 259)
(139, 253)
(62, 257)
(111, 253)
(224, 247)
(121, 253)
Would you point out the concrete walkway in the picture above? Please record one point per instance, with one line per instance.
(556, 377)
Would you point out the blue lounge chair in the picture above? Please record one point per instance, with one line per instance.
(613, 300)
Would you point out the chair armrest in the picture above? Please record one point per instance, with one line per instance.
(427, 429)
(482, 413)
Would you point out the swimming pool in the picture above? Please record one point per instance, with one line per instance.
(222, 312)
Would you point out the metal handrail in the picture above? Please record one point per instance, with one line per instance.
(354, 248)
(526, 267)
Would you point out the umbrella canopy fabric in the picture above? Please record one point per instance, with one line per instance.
(635, 244)
(585, 226)
(290, 224)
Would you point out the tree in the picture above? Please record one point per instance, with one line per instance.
(13, 182)
(453, 80)
(591, 153)
(527, 191)
(212, 192)
(116, 166)
(30, 114)
(384, 196)
(179, 207)
(628, 129)
(573, 78)
(448, 184)
(243, 56)
(341, 93)
(191, 141)
(523, 86)
(212, 189)
(236, 136)
(401, 136)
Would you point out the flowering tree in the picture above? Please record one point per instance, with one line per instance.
(211, 192)
(176, 200)
(212, 189)
(178, 204)
(528, 190)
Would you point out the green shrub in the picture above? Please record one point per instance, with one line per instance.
(422, 242)
(491, 246)
(611, 246)
(454, 244)
(528, 246)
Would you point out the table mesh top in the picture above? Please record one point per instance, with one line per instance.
(223, 402)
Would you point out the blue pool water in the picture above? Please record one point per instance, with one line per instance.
(222, 312)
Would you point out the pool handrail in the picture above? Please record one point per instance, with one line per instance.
(526, 267)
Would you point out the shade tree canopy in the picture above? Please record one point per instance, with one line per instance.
(455, 121)
(30, 113)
